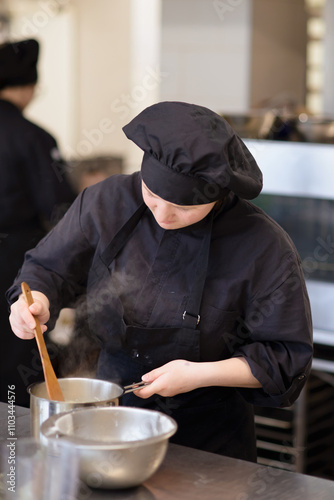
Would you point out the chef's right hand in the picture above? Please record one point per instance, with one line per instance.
(22, 318)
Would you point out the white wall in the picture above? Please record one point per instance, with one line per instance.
(206, 47)
(118, 73)
(99, 67)
(146, 76)
(103, 75)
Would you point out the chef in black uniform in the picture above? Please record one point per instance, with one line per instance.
(33, 195)
(189, 285)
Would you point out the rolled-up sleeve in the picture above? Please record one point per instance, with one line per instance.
(277, 334)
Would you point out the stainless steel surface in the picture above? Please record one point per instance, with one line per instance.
(322, 299)
(78, 393)
(294, 168)
(321, 296)
(190, 474)
(119, 447)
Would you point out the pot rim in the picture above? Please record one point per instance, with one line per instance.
(83, 403)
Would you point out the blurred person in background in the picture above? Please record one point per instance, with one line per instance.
(34, 194)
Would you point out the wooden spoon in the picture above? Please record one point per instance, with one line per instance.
(52, 384)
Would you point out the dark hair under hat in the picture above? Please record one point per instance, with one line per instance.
(18, 63)
(192, 155)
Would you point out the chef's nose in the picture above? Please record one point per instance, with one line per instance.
(163, 211)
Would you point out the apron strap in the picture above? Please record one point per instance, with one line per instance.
(118, 242)
(191, 317)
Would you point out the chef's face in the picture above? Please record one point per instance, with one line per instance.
(171, 216)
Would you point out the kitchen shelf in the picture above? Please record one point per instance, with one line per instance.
(300, 438)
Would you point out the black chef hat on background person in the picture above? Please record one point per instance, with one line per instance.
(18, 63)
(192, 155)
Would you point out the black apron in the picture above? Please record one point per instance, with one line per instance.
(214, 419)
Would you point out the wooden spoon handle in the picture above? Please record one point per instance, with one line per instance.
(52, 384)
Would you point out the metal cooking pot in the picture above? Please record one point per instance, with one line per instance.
(118, 447)
(78, 393)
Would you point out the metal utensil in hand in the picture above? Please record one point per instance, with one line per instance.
(135, 386)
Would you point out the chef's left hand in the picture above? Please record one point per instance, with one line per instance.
(173, 378)
(179, 376)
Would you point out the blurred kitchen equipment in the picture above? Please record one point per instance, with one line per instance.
(52, 384)
(271, 124)
(78, 393)
(298, 194)
(118, 447)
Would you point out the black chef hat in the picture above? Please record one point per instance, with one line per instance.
(18, 63)
(192, 155)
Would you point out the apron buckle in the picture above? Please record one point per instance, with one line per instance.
(192, 316)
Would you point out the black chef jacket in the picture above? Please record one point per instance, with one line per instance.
(254, 303)
(33, 195)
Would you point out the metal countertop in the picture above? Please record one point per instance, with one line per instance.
(189, 474)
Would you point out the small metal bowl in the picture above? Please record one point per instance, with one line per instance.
(119, 447)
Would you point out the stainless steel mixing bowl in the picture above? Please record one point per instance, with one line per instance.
(119, 447)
